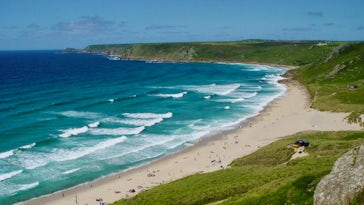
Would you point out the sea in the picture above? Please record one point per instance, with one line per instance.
(70, 118)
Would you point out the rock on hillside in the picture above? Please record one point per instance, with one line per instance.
(344, 182)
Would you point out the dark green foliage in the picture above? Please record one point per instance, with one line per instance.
(359, 199)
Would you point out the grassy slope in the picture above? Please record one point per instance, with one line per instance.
(263, 177)
(286, 53)
(327, 81)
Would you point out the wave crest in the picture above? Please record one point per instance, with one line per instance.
(79, 114)
(72, 155)
(70, 171)
(117, 131)
(6, 154)
(29, 146)
(176, 95)
(214, 88)
(134, 121)
(10, 175)
(28, 186)
(94, 125)
(73, 131)
(148, 115)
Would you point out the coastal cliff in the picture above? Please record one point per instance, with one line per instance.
(295, 53)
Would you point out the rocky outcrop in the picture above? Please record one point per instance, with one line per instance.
(344, 182)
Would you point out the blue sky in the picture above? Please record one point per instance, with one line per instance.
(51, 24)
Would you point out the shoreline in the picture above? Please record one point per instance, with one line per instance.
(286, 115)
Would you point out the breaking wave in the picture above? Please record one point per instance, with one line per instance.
(73, 131)
(134, 121)
(117, 131)
(29, 146)
(148, 115)
(70, 171)
(7, 154)
(177, 95)
(78, 114)
(9, 175)
(94, 124)
(28, 186)
(214, 88)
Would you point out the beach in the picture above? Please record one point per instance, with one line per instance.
(287, 115)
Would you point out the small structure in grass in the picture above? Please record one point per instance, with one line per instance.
(352, 86)
(299, 148)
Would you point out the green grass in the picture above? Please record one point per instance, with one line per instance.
(264, 177)
(276, 52)
(328, 80)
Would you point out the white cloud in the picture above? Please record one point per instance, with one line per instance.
(85, 25)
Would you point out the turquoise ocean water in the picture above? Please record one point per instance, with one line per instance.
(66, 119)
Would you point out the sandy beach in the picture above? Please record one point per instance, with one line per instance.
(286, 115)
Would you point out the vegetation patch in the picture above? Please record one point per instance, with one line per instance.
(266, 176)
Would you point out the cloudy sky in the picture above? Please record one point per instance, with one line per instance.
(51, 24)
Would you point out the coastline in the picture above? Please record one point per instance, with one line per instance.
(171, 60)
(286, 115)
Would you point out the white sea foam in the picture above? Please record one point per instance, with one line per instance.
(134, 121)
(79, 114)
(29, 146)
(151, 142)
(207, 97)
(117, 131)
(78, 153)
(249, 87)
(7, 154)
(214, 88)
(176, 95)
(9, 175)
(240, 96)
(73, 131)
(201, 127)
(36, 160)
(230, 100)
(28, 186)
(229, 125)
(257, 67)
(94, 124)
(249, 95)
(148, 115)
(227, 107)
(272, 78)
(70, 171)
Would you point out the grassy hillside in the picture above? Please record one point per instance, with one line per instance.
(264, 177)
(276, 52)
(328, 80)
